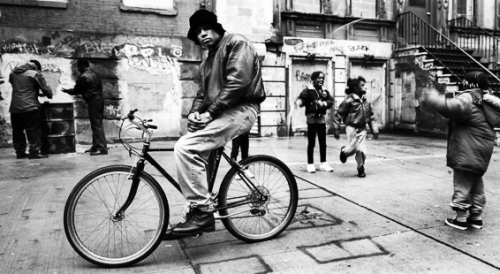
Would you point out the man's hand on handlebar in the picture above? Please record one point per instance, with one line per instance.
(197, 121)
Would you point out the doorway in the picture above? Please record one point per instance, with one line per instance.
(375, 76)
(421, 8)
(300, 78)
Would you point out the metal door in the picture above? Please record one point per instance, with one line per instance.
(375, 76)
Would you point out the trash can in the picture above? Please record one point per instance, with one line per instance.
(58, 128)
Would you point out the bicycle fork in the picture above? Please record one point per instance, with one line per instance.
(119, 214)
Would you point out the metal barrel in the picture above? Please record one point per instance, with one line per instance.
(58, 128)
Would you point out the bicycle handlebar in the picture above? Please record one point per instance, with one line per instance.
(130, 115)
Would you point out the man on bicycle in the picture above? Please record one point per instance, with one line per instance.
(225, 106)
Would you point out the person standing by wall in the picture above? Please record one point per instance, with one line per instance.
(356, 112)
(316, 101)
(89, 85)
(243, 142)
(226, 105)
(470, 145)
(26, 81)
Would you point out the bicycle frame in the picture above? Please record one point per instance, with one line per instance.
(145, 156)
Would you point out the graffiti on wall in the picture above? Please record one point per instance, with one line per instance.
(152, 59)
(336, 47)
(301, 76)
(81, 45)
(141, 52)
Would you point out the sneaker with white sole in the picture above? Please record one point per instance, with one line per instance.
(453, 222)
(477, 224)
(311, 168)
(325, 167)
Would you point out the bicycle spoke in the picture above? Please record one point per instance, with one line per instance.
(120, 240)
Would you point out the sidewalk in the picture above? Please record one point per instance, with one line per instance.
(392, 221)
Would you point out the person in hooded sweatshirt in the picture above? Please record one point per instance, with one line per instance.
(471, 140)
(26, 81)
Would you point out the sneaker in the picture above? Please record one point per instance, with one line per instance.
(361, 172)
(325, 167)
(453, 222)
(477, 224)
(343, 158)
(21, 156)
(311, 168)
(37, 156)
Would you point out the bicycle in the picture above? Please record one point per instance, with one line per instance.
(117, 215)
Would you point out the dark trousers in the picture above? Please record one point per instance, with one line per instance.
(312, 131)
(96, 114)
(243, 142)
(29, 122)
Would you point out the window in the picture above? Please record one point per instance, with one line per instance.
(417, 3)
(465, 8)
(498, 14)
(165, 7)
(40, 3)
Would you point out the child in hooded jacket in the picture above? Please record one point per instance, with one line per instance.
(356, 112)
(470, 146)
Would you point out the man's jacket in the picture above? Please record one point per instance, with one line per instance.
(89, 85)
(355, 111)
(26, 81)
(470, 138)
(229, 76)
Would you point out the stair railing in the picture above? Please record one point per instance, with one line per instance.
(469, 35)
(412, 30)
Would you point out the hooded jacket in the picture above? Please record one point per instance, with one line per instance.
(230, 75)
(470, 138)
(26, 81)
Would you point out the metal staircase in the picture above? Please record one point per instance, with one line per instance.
(447, 60)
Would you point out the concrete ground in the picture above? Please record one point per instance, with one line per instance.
(392, 221)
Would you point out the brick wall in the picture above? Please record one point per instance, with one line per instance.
(103, 16)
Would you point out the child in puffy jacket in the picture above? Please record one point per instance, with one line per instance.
(316, 101)
(356, 112)
(470, 146)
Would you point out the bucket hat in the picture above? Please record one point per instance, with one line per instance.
(200, 18)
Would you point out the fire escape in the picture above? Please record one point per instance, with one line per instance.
(468, 48)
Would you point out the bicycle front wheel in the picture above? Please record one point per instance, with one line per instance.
(263, 209)
(115, 241)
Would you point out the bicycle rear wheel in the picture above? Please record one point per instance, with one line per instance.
(249, 217)
(115, 242)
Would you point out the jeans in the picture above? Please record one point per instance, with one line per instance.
(468, 192)
(312, 131)
(356, 139)
(96, 114)
(192, 151)
(29, 122)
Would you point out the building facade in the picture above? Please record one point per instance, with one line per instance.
(140, 50)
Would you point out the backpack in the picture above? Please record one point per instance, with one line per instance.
(491, 109)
